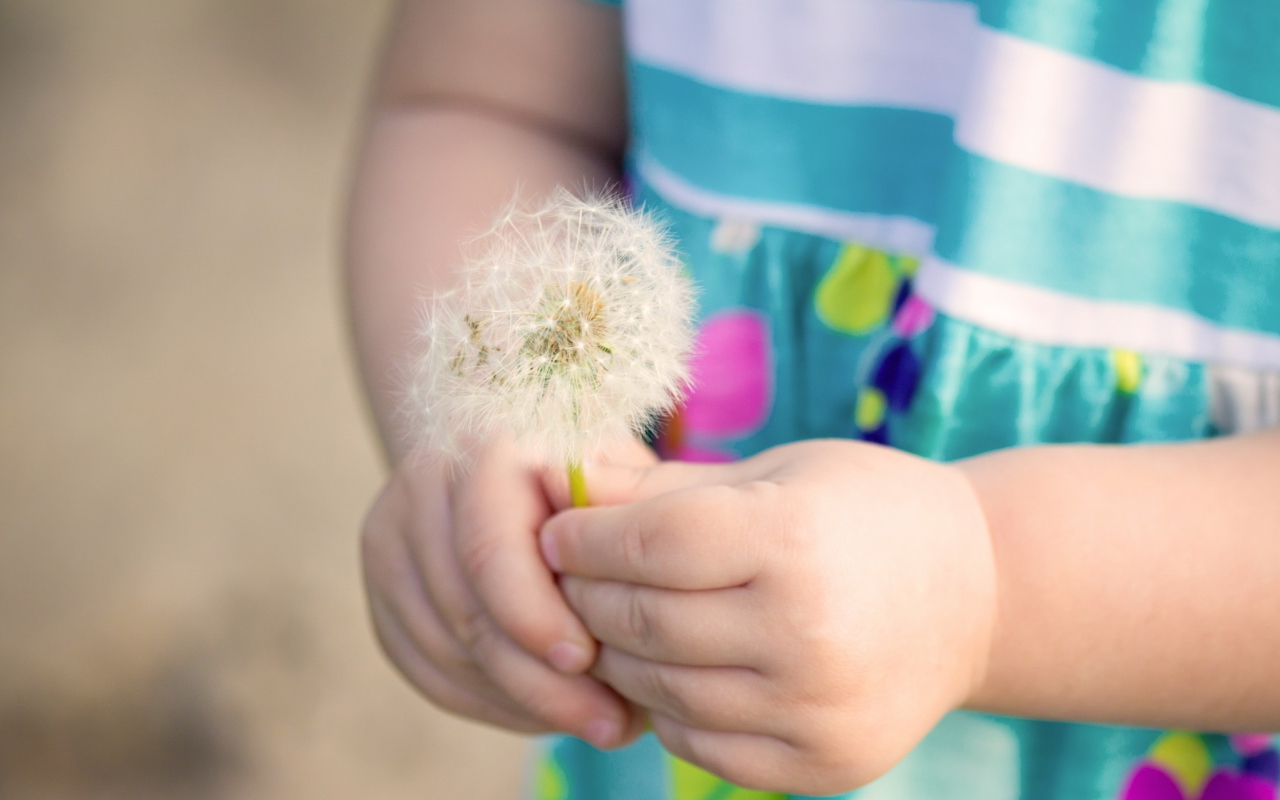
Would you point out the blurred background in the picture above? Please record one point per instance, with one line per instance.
(185, 458)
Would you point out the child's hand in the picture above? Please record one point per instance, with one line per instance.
(794, 622)
(465, 607)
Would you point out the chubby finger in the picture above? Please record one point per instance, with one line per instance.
(577, 704)
(495, 669)
(713, 698)
(413, 634)
(497, 510)
(450, 642)
(749, 760)
(445, 692)
(710, 537)
(708, 629)
(434, 566)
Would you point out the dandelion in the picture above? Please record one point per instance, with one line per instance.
(571, 329)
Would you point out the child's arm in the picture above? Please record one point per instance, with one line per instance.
(1138, 584)
(800, 620)
(477, 98)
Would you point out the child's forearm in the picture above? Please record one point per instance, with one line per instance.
(428, 182)
(1137, 585)
(532, 103)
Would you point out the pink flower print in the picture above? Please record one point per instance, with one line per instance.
(1232, 786)
(732, 376)
(732, 390)
(914, 315)
(1150, 782)
(1179, 767)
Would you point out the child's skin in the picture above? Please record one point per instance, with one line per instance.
(799, 620)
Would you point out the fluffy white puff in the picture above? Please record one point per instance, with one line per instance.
(571, 328)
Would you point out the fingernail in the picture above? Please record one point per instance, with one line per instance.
(601, 733)
(568, 657)
(547, 543)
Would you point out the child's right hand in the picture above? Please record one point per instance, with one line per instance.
(465, 607)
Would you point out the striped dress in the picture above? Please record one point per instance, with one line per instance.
(953, 227)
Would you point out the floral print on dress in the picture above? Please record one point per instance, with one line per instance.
(1128, 367)
(1179, 766)
(861, 289)
(868, 292)
(732, 388)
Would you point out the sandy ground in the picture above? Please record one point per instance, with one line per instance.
(185, 458)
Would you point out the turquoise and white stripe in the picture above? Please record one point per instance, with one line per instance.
(1123, 174)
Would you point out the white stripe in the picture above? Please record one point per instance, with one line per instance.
(903, 53)
(1048, 317)
(1014, 101)
(896, 234)
(1065, 116)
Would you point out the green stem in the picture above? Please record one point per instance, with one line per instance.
(577, 485)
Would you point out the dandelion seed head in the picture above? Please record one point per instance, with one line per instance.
(571, 329)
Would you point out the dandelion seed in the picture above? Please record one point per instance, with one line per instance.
(571, 329)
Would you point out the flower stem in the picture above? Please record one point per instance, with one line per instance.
(577, 485)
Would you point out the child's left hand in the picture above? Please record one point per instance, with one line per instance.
(794, 622)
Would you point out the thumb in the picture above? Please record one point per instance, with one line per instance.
(611, 483)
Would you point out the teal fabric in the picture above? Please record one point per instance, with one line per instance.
(1233, 45)
(774, 149)
(983, 391)
(979, 390)
(990, 217)
(775, 277)
(1017, 224)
